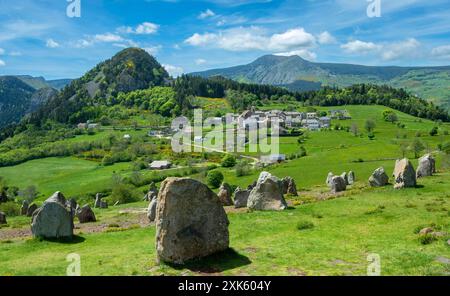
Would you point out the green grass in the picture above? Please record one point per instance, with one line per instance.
(269, 243)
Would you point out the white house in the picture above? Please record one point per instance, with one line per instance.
(160, 165)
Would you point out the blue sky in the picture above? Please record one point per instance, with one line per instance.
(38, 38)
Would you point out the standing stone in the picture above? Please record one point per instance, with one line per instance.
(99, 203)
(378, 178)
(427, 166)
(338, 184)
(72, 205)
(52, 220)
(190, 221)
(345, 177)
(2, 218)
(24, 208)
(225, 195)
(289, 186)
(267, 194)
(251, 186)
(241, 198)
(151, 212)
(351, 178)
(31, 209)
(404, 174)
(329, 177)
(85, 214)
(152, 192)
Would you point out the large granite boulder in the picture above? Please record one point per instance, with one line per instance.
(85, 214)
(404, 174)
(225, 195)
(31, 209)
(338, 184)
(151, 211)
(52, 220)
(328, 180)
(190, 221)
(267, 194)
(378, 178)
(427, 166)
(351, 178)
(289, 186)
(2, 218)
(24, 208)
(241, 198)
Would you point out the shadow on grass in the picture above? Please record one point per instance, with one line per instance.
(215, 263)
(64, 240)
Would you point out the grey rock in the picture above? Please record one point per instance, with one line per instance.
(241, 198)
(152, 192)
(267, 194)
(190, 221)
(24, 208)
(52, 220)
(72, 205)
(427, 166)
(338, 184)
(351, 178)
(328, 180)
(85, 214)
(225, 194)
(2, 218)
(251, 186)
(289, 186)
(345, 177)
(404, 174)
(99, 203)
(378, 178)
(31, 209)
(151, 212)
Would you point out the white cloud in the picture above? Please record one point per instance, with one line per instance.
(108, 37)
(153, 50)
(200, 61)
(303, 53)
(442, 52)
(326, 38)
(83, 43)
(2, 63)
(52, 43)
(206, 14)
(394, 51)
(254, 38)
(175, 71)
(360, 47)
(145, 28)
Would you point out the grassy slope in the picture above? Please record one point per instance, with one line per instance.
(268, 242)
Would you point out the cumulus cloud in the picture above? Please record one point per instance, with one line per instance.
(175, 71)
(52, 43)
(153, 50)
(145, 28)
(2, 63)
(326, 38)
(360, 47)
(303, 53)
(254, 38)
(441, 52)
(206, 14)
(115, 39)
(108, 37)
(394, 51)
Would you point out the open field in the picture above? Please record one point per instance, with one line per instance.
(346, 229)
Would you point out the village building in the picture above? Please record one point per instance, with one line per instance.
(273, 158)
(160, 165)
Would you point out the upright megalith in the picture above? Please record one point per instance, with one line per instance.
(351, 178)
(289, 186)
(338, 184)
(99, 203)
(379, 178)
(241, 198)
(427, 166)
(225, 194)
(152, 192)
(53, 219)
(267, 194)
(404, 174)
(24, 208)
(190, 221)
(328, 180)
(3, 218)
(85, 214)
(344, 176)
(31, 209)
(151, 211)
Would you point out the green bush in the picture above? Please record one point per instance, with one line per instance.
(10, 208)
(303, 225)
(214, 179)
(228, 161)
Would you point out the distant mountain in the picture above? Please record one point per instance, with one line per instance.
(41, 82)
(295, 73)
(129, 70)
(15, 99)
